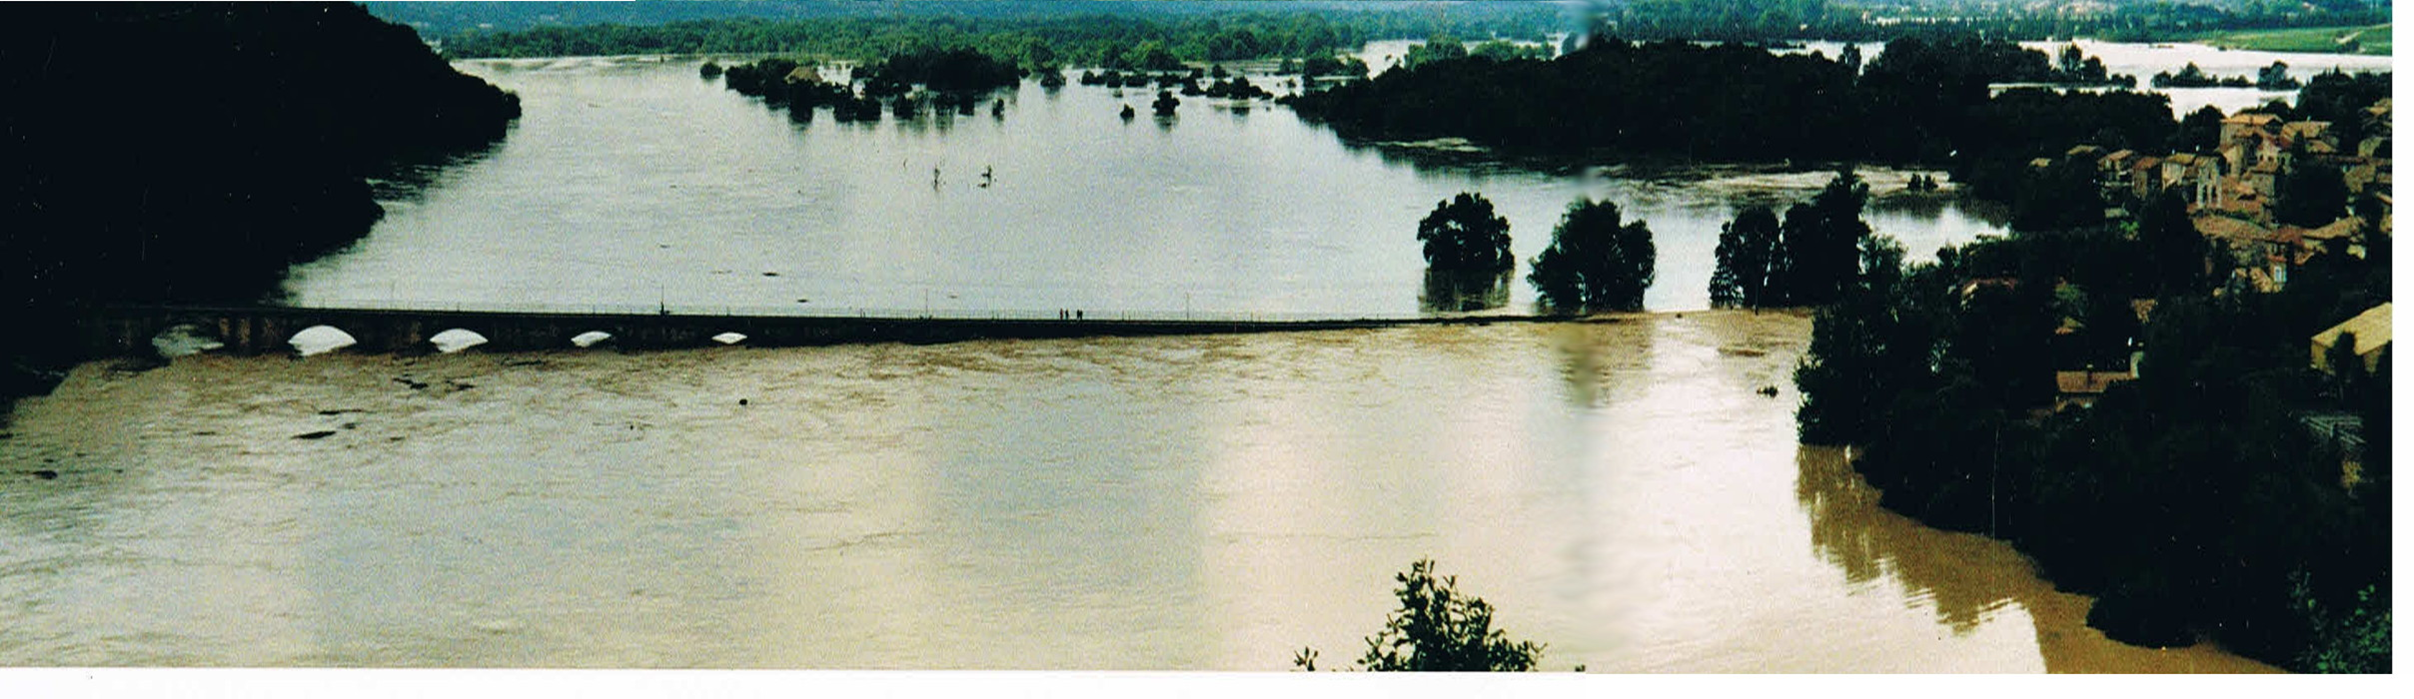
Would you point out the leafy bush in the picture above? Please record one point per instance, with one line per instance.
(1438, 630)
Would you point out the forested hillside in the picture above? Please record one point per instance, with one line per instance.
(193, 152)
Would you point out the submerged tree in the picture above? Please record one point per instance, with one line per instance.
(1467, 258)
(1465, 235)
(1748, 261)
(1595, 262)
(1438, 630)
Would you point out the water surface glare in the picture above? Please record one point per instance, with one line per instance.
(1618, 490)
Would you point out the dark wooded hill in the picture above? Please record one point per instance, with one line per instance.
(192, 152)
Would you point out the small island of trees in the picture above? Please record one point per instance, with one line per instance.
(952, 81)
(1467, 258)
(2271, 77)
(1595, 262)
(1464, 236)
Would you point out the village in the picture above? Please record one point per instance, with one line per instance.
(2234, 198)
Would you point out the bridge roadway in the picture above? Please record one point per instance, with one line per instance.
(128, 331)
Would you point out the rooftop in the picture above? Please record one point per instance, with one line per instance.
(2088, 383)
(2371, 329)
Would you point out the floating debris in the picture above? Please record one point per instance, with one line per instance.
(729, 338)
(321, 434)
(590, 338)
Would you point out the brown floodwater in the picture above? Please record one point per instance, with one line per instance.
(1619, 491)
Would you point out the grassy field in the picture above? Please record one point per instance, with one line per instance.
(2372, 40)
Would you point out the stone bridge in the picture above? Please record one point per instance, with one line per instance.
(124, 331)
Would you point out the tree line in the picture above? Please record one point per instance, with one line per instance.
(1842, 20)
(547, 28)
(1121, 42)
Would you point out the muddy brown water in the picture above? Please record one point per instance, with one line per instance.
(1619, 491)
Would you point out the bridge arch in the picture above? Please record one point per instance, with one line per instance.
(456, 339)
(320, 339)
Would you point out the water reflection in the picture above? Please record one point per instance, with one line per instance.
(1968, 581)
(408, 177)
(1594, 356)
(1447, 292)
(1962, 577)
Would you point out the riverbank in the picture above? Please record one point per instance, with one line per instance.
(2371, 40)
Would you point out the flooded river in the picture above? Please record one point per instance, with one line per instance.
(632, 184)
(1619, 490)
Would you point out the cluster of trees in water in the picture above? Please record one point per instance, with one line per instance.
(1596, 260)
(275, 118)
(1810, 258)
(1920, 100)
(2271, 77)
(955, 80)
(947, 80)
(1223, 84)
